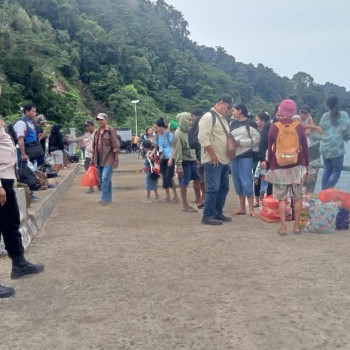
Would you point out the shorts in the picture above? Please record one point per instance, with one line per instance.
(151, 185)
(283, 192)
(190, 172)
(57, 157)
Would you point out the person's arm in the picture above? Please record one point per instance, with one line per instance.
(116, 148)
(171, 142)
(205, 127)
(21, 146)
(304, 146)
(178, 154)
(2, 190)
(272, 135)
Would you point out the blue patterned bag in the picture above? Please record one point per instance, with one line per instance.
(322, 216)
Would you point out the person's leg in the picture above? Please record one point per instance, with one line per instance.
(280, 192)
(195, 177)
(247, 182)
(234, 166)
(212, 178)
(184, 181)
(297, 193)
(337, 166)
(223, 191)
(106, 184)
(9, 228)
(163, 171)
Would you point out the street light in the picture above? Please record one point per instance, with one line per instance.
(134, 103)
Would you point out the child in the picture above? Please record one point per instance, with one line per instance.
(260, 173)
(151, 176)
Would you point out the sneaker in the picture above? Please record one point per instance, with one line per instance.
(224, 218)
(22, 267)
(34, 198)
(6, 292)
(211, 221)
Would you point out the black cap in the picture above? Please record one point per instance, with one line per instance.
(306, 109)
(227, 98)
(89, 123)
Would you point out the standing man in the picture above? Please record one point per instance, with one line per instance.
(28, 143)
(185, 161)
(215, 160)
(105, 155)
(9, 214)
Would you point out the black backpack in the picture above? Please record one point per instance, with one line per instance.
(10, 128)
(193, 141)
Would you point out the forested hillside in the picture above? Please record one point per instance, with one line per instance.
(73, 58)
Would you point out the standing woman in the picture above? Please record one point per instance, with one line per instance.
(56, 147)
(287, 180)
(246, 134)
(164, 144)
(335, 127)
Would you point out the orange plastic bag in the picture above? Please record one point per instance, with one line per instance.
(90, 178)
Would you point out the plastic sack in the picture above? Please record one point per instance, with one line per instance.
(322, 216)
(334, 195)
(90, 178)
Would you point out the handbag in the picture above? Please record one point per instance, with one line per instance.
(231, 142)
(47, 169)
(34, 150)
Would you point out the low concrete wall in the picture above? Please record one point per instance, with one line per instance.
(33, 219)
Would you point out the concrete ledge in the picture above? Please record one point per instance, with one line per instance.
(41, 211)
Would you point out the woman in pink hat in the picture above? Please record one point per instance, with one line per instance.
(287, 168)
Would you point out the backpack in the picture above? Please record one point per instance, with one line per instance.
(193, 141)
(10, 128)
(287, 146)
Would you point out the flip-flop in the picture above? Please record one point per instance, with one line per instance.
(189, 210)
(282, 233)
(238, 213)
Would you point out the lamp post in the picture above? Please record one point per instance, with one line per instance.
(134, 103)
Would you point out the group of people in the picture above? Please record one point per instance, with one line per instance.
(257, 169)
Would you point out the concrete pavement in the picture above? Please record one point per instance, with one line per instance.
(149, 276)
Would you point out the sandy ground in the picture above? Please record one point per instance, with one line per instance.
(148, 276)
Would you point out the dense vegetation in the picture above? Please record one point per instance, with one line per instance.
(74, 58)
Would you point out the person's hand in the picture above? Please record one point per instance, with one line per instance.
(170, 162)
(179, 171)
(2, 196)
(214, 160)
(263, 165)
(198, 163)
(256, 181)
(24, 157)
(115, 164)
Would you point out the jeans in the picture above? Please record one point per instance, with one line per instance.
(10, 221)
(332, 171)
(105, 179)
(217, 189)
(242, 175)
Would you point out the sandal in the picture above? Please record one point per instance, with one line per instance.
(238, 213)
(189, 210)
(282, 232)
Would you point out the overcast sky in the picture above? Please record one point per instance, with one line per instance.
(289, 36)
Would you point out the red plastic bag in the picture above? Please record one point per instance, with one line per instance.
(90, 178)
(330, 195)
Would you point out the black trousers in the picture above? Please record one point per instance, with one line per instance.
(10, 221)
